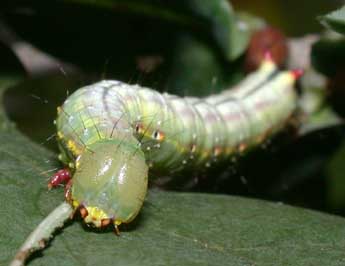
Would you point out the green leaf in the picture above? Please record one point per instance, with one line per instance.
(216, 17)
(323, 119)
(197, 69)
(317, 113)
(335, 179)
(335, 20)
(39, 105)
(328, 54)
(126, 33)
(231, 33)
(6, 82)
(172, 229)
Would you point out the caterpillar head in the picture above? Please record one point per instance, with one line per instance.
(110, 182)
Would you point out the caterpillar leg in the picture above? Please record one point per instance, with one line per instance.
(62, 176)
(92, 216)
(68, 187)
(116, 229)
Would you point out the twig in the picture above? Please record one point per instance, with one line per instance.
(42, 233)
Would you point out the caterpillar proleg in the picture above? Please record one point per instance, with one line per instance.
(111, 134)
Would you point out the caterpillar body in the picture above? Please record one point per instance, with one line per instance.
(111, 133)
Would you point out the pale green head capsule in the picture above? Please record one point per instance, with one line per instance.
(110, 182)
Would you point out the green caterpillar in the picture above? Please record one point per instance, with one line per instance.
(111, 134)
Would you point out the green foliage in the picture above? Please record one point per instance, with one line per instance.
(328, 54)
(335, 20)
(197, 70)
(173, 228)
(125, 32)
(318, 114)
(335, 173)
(199, 45)
(217, 17)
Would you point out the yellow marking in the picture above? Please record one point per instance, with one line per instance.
(59, 110)
(77, 163)
(75, 204)
(289, 77)
(59, 135)
(96, 214)
(90, 123)
(73, 147)
(146, 134)
(71, 165)
(267, 65)
(117, 222)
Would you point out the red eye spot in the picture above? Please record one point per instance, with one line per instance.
(158, 135)
(139, 128)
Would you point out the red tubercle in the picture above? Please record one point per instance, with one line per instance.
(297, 73)
(60, 177)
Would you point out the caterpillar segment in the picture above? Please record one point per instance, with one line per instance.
(111, 134)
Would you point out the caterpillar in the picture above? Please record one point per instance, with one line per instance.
(112, 135)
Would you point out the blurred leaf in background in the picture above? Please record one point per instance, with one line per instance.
(335, 20)
(328, 56)
(294, 17)
(125, 31)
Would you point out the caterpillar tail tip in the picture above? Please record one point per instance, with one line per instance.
(268, 56)
(268, 62)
